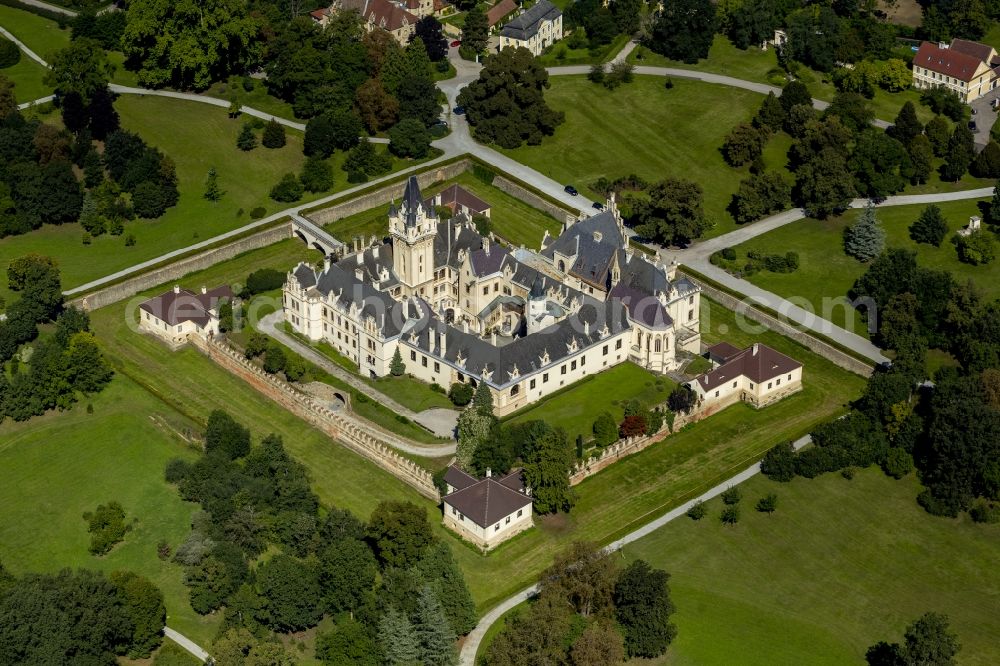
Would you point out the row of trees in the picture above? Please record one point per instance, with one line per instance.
(590, 611)
(78, 617)
(394, 591)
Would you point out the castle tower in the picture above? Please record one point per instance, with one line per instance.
(413, 228)
(536, 306)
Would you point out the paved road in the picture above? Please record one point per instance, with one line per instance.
(186, 643)
(28, 52)
(475, 637)
(441, 422)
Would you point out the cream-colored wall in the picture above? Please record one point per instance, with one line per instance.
(491, 535)
(979, 85)
(175, 334)
(549, 32)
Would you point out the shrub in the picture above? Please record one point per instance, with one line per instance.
(978, 248)
(460, 394)
(897, 463)
(730, 514)
(257, 213)
(261, 280)
(288, 190)
(697, 511)
(10, 54)
(437, 388)
(984, 511)
(107, 527)
(767, 504)
(274, 134)
(732, 495)
(779, 463)
(729, 254)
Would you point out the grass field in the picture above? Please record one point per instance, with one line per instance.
(41, 35)
(826, 272)
(27, 77)
(576, 409)
(511, 219)
(839, 566)
(57, 466)
(643, 128)
(175, 126)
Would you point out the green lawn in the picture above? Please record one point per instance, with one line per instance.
(512, 219)
(27, 77)
(561, 54)
(257, 98)
(826, 272)
(645, 129)
(575, 409)
(55, 467)
(643, 486)
(197, 137)
(41, 35)
(839, 566)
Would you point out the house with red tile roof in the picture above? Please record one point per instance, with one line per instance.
(500, 11)
(396, 18)
(460, 201)
(757, 375)
(968, 68)
(486, 511)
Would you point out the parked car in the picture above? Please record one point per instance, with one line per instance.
(459, 110)
(598, 205)
(456, 43)
(570, 190)
(972, 125)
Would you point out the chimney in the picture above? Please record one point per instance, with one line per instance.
(493, 338)
(359, 274)
(756, 347)
(597, 236)
(375, 251)
(465, 325)
(177, 289)
(443, 340)
(203, 289)
(586, 328)
(486, 245)
(489, 472)
(326, 263)
(359, 257)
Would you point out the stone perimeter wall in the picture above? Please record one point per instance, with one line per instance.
(384, 195)
(532, 199)
(827, 351)
(132, 286)
(353, 435)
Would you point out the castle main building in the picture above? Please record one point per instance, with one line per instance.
(459, 307)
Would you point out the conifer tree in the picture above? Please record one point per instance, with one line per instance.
(865, 239)
(930, 227)
(274, 134)
(246, 140)
(483, 400)
(212, 190)
(771, 114)
(906, 125)
(398, 640)
(433, 633)
(397, 368)
(994, 216)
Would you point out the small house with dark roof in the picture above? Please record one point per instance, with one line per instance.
(757, 375)
(535, 29)
(460, 201)
(177, 314)
(968, 68)
(486, 511)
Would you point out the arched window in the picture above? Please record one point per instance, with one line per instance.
(515, 389)
(562, 265)
(656, 345)
(640, 339)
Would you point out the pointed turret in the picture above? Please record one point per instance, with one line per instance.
(537, 288)
(412, 202)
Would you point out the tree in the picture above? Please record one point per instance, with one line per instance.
(439, 570)
(506, 104)
(938, 133)
(605, 429)
(460, 394)
(8, 101)
(288, 189)
(475, 30)
(434, 635)
(483, 399)
(978, 248)
(409, 138)
(364, 160)
(779, 462)
(643, 608)
(744, 144)
(880, 164)
(760, 195)
(906, 127)
(398, 639)
(400, 532)
(428, 30)
(684, 30)
(768, 503)
(961, 151)
(397, 368)
(80, 68)
(143, 603)
(274, 134)
(293, 594)
(546, 472)
(795, 93)
(533, 637)
(474, 429)
(247, 140)
(730, 514)
(87, 370)
(682, 399)
(28, 268)
(418, 99)
(317, 175)
(673, 213)
(921, 159)
(824, 185)
(583, 576)
(865, 239)
(333, 130)
(930, 227)
(600, 644)
(169, 45)
(225, 437)
(771, 113)
(347, 571)
(927, 642)
(377, 108)
(731, 495)
(212, 190)
(987, 163)
(347, 644)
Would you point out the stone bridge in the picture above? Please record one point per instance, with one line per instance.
(315, 236)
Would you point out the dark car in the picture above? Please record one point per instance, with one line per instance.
(972, 125)
(570, 190)
(598, 205)
(456, 43)
(459, 110)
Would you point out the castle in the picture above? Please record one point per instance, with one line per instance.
(460, 307)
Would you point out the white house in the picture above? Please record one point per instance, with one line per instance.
(535, 29)
(486, 511)
(179, 313)
(967, 68)
(757, 375)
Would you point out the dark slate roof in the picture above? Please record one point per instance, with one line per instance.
(758, 362)
(457, 234)
(487, 262)
(180, 305)
(459, 479)
(723, 351)
(537, 291)
(514, 480)
(642, 307)
(594, 241)
(487, 502)
(412, 201)
(479, 356)
(376, 262)
(526, 25)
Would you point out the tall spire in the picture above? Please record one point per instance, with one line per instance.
(412, 200)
